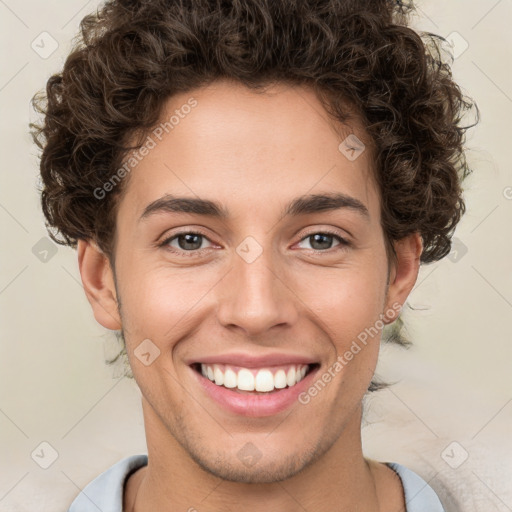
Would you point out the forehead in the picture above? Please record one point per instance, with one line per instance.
(235, 145)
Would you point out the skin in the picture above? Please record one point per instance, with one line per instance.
(253, 153)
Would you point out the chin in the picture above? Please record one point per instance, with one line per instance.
(234, 471)
(252, 466)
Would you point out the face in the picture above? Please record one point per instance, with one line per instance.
(249, 281)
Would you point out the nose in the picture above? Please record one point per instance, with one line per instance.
(256, 297)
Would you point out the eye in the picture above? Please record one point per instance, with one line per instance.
(185, 241)
(191, 242)
(322, 241)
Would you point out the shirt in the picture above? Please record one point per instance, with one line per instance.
(106, 491)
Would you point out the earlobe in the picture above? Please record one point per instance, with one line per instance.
(405, 271)
(98, 282)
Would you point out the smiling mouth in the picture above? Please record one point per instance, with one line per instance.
(254, 380)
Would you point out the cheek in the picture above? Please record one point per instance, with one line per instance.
(164, 307)
(346, 300)
(161, 302)
(347, 305)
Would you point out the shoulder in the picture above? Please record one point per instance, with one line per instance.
(419, 496)
(105, 492)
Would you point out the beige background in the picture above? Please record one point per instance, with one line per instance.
(454, 385)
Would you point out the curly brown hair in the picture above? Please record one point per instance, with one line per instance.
(133, 55)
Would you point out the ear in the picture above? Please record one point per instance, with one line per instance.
(404, 272)
(98, 281)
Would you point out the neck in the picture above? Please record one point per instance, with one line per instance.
(338, 480)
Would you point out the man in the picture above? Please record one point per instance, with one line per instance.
(252, 187)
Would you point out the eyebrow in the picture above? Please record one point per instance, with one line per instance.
(303, 205)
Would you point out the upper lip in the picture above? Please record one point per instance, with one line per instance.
(253, 361)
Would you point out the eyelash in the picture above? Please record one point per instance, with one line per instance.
(343, 243)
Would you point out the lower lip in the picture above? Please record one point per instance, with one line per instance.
(255, 405)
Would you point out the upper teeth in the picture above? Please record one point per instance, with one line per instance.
(245, 379)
